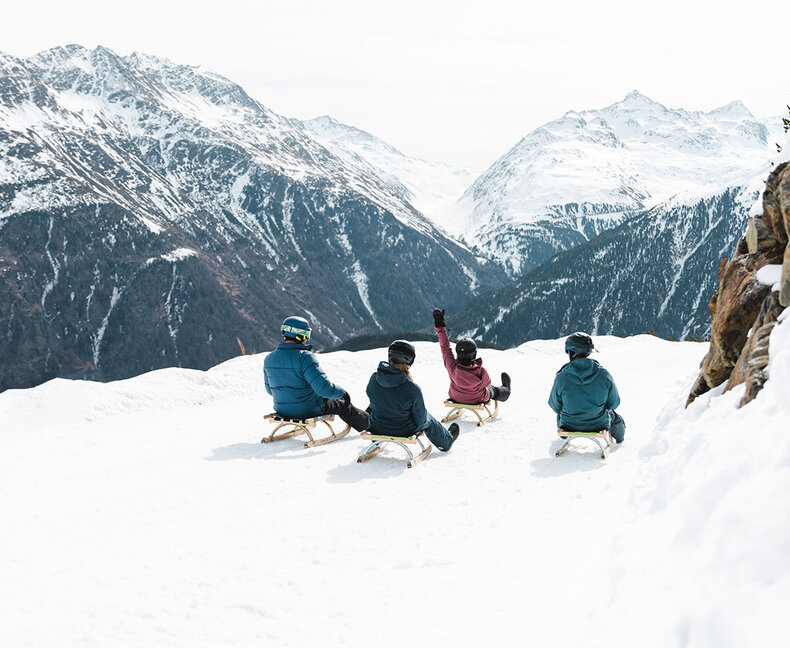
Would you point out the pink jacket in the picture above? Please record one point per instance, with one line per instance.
(467, 384)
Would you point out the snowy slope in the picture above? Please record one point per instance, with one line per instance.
(146, 512)
(588, 170)
(432, 187)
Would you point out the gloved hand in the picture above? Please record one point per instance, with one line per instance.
(438, 318)
(346, 398)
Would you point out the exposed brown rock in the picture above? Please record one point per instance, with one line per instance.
(750, 368)
(740, 249)
(760, 238)
(713, 300)
(782, 193)
(741, 303)
(739, 299)
(784, 294)
(772, 213)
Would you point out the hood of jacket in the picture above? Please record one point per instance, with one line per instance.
(582, 371)
(388, 376)
(476, 369)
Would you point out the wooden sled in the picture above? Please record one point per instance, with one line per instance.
(295, 427)
(457, 409)
(606, 445)
(377, 440)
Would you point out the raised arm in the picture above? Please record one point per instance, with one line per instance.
(444, 343)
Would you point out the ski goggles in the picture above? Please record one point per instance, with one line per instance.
(292, 331)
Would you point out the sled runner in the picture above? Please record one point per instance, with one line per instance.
(295, 427)
(457, 409)
(606, 445)
(404, 442)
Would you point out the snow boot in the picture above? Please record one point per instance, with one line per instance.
(505, 380)
(454, 431)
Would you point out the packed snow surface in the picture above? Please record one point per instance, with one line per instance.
(145, 512)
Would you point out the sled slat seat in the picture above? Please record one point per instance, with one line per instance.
(457, 409)
(569, 435)
(370, 436)
(308, 422)
(378, 440)
(295, 427)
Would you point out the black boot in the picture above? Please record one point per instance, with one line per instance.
(505, 380)
(454, 431)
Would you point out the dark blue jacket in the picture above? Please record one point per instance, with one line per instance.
(397, 405)
(298, 385)
(582, 395)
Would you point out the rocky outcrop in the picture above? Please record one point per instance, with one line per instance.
(744, 310)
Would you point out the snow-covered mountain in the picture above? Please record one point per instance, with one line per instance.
(656, 270)
(579, 175)
(146, 512)
(431, 187)
(152, 213)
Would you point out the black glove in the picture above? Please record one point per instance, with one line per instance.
(438, 318)
(346, 398)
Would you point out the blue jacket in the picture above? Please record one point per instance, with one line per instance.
(298, 385)
(397, 405)
(582, 395)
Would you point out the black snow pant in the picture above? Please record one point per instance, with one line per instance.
(500, 394)
(617, 426)
(351, 415)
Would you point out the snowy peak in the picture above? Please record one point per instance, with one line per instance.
(337, 132)
(430, 187)
(587, 170)
(635, 100)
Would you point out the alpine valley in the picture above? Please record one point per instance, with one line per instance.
(153, 215)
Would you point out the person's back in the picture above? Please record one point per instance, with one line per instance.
(296, 382)
(586, 391)
(469, 381)
(584, 395)
(397, 407)
(298, 385)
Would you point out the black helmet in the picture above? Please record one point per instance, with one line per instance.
(579, 345)
(401, 352)
(466, 349)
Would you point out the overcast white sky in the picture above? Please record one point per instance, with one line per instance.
(454, 81)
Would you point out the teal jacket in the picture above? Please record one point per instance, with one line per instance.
(299, 386)
(582, 396)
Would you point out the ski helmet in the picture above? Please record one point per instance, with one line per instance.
(466, 349)
(296, 328)
(579, 345)
(401, 352)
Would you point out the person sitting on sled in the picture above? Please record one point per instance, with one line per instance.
(584, 395)
(396, 404)
(469, 381)
(299, 386)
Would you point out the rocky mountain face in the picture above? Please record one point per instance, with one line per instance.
(575, 177)
(152, 213)
(753, 292)
(652, 272)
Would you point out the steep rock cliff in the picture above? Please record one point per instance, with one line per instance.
(754, 289)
